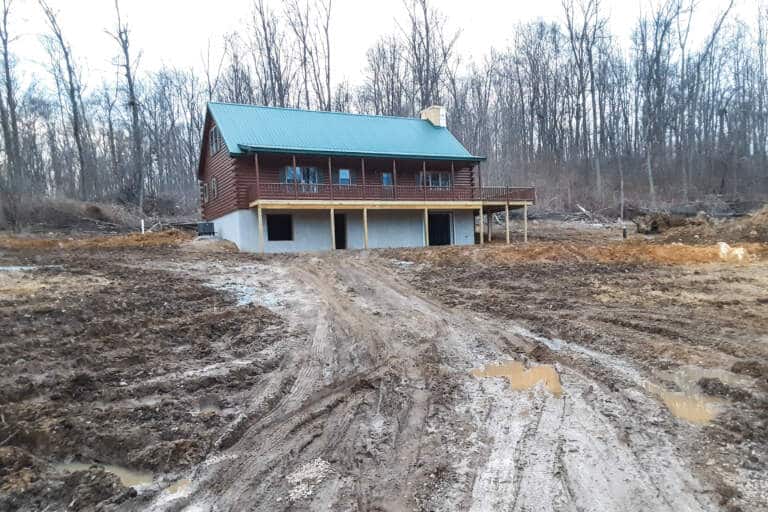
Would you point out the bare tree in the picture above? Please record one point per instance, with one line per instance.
(269, 53)
(10, 184)
(73, 95)
(430, 49)
(121, 36)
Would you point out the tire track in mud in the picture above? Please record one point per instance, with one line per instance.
(370, 397)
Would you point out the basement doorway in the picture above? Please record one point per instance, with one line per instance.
(439, 229)
(340, 226)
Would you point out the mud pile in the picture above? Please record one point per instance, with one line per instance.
(167, 238)
(633, 252)
(752, 228)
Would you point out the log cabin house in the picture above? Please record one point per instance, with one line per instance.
(289, 180)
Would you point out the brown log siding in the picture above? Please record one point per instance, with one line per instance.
(221, 167)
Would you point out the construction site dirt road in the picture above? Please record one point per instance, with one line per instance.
(601, 375)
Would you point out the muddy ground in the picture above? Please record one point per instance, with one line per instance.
(572, 373)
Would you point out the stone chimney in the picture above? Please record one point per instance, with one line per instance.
(435, 114)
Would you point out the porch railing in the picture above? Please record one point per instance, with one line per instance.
(327, 191)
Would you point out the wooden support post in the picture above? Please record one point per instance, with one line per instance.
(480, 180)
(256, 165)
(426, 227)
(365, 228)
(525, 222)
(424, 177)
(330, 177)
(453, 182)
(295, 179)
(260, 229)
(506, 219)
(490, 227)
(482, 228)
(362, 168)
(333, 229)
(394, 177)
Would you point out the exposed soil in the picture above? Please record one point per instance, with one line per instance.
(701, 229)
(588, 375)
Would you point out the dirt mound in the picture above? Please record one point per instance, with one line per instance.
(660, 222)
(204, 244)
(555, 252)
(168, 238)
(18, 468)
(715, 387)
(752, 228)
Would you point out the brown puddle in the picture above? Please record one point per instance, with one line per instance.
(178, 486)
(521, 378)
(128, 477)
(691, 407)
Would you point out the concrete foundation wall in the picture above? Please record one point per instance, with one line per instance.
(312, 229)
(463, 227)
(311, 232)
(393, 228)
(240, 227)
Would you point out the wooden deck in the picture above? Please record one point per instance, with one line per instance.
(384, 193)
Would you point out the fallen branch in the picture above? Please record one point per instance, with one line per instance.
(9, 438)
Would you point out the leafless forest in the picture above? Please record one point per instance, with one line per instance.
(566, 107)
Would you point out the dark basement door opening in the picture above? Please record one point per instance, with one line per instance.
(439, 229)
(340, 226)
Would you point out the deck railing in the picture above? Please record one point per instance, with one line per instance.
(336, 191)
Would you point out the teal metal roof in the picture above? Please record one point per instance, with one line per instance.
(249, 128)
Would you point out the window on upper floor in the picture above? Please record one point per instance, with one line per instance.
(214, 188)
(204, 192)
(434, 179)
(345, 177)
(307, 175)
(215, 142)
(386, 179)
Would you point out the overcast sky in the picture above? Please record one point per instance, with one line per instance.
(176, 32)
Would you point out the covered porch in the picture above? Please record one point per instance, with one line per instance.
(360, 211)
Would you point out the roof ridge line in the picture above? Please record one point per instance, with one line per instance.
(295, 109)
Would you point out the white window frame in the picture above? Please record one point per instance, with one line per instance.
(346, 181)
(215, 141)
(435, 179)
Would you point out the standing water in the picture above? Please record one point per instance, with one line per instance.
(128, 477)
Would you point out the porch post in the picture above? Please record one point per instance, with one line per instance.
(426, 227)
(362, 167)
(479, 176)
(525, 222)
(394, 177)
(365, 227)
(506, 219)
(330, 177)
(333, 229)
(490, 227)
(424, 178)
(258, 184)
(482, 228)
(295, 178)
(453, 181)
(260, 229)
